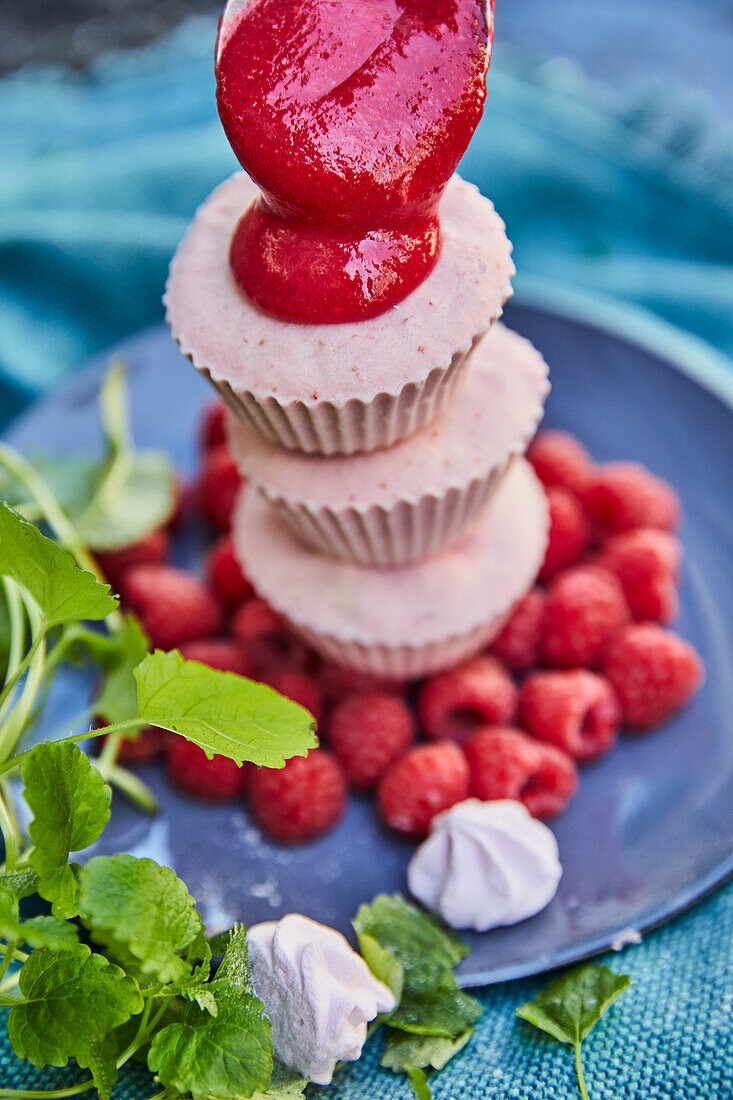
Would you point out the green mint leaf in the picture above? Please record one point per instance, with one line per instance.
(419, 1083)
(234, 967)
(228, 1056)
(403, 1052)
(573, 1003)
(63, 592)
(125, 509)
(445, 1012)
(222, 712)
(143, 907)
(426, 949)
(37, 931)
(219, 942)
(382, 964)
(284, 1085)
(19, 884)
(70, 802)
(71, 1000)
(102, 1063)
(117, 701)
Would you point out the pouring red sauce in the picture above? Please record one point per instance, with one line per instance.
(351, 116)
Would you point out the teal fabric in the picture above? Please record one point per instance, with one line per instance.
(100, 174)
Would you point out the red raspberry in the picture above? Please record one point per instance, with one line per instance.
(225, 574)
(218, 779)
(212, 430)
(426, 781)
(218, 487)
(576, 711)
(653, 672)
(585, 607)
(337, 682)
(369, 733)
(506, 763)
(569, 534)
(559, 459)
(153, 549)
(173, 606)
(301, 688)
(453, 704)
(646, 562)
(271, 646)
(518, 644)
(300, 801)
(223, 654)
(625, 495)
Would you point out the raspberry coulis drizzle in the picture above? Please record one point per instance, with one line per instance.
(351, 116)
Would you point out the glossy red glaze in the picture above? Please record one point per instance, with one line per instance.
(351, 116)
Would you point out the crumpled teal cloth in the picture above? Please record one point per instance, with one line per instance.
(99, 176)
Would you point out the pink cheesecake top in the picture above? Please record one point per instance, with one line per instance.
(226, 335)
(494, 413)
(448, 595)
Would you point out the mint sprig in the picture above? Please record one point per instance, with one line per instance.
(572, 1005)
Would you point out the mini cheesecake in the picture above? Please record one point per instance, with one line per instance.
(410, 501)
(407, 622)
(338, 388)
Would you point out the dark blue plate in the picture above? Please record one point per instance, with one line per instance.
(651, 828)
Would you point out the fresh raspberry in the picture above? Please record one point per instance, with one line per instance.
(184, 504)
(625, 495)
(225, 575)
(153, 549)
(559, 459)
(338, 683)
(271, 646)
(173, 606)
(576, 710)
(301, 688)
(518, 645)
(426, 781)
(453, 704)
(300, 801)
(369, 733)
(569, 534)
(212, 430)
(585, 607)
(218, 487)
(646, 562)
(219, 779)
(506, 763)
(223, 654)
(653, 671)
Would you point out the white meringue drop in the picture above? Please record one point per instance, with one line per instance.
(485, 864)
(317, 992)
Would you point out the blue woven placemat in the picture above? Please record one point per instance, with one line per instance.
(99, 177)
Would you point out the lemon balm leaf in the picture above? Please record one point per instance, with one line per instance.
(223, 713)
(63, 592)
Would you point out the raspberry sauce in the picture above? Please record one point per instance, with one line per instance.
(351, 116)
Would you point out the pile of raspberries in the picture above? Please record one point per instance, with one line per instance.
(584, 654)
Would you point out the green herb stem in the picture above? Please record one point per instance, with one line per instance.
(73, 739)
(20, 668)
(18, 718)
(47, 1094)
(10, 837)
(129, 784)
(579, 1071)
(54, 515)
(17, 625)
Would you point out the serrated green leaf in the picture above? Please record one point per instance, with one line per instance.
(117, 701)
(70, 803)
(228, 1056)
(127, 508)
(382, 964)
(40, 931)
(103, 1065)
(446, 1012)
(219, 942)
(403, 1052)
(142, 906)
(223, 713)
(71, 1000)
(426, 949)
(63, 592)
(234, 967)
(573, 1003)
(285, 1084)
(19, 884)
